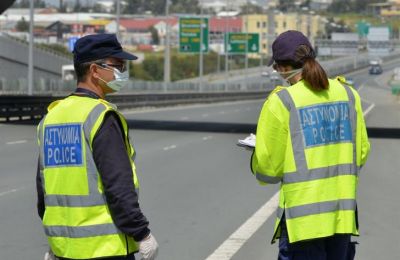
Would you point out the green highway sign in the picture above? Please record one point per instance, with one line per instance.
(190, 34)
(236, 42)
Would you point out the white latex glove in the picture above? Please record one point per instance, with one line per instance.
(148, 248)
(49, 255)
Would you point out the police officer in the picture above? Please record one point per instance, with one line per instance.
(311, 138)
(86, 181)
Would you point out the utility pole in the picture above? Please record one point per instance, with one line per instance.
(30, 58)
(246, 61)
(167, 53)
(218, 50)
(201, 50)
(117, 21)
(226, 45)
(271, 27)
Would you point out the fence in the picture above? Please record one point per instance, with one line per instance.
(257, 83)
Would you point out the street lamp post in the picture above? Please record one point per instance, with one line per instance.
(118, 19)
(201, 50)
(246, 61)
(226, 45)
(167, 53)
(30, 56)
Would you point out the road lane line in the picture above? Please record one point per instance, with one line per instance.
(185, 118)
(361, 87)
(369, 109)
(8, 192)
(17, 142)
(244, 232)
(167, 148)
(205, 138)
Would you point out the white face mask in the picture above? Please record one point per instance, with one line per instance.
(291, 74)
(121, 80)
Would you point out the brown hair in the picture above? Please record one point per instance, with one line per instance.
(312, 73)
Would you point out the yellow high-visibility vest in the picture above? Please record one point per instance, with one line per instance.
(313, 144)
(77, 220)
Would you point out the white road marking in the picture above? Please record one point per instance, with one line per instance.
(169, 147)
(184, 118)
(8, 192)
(361, 87)
(244, 232)
(17, 142)
(235, 241)
(205, 138)
(369, 109)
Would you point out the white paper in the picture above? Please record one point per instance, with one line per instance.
(249, 141)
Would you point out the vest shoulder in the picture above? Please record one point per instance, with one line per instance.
(342, 80)
(277, 89)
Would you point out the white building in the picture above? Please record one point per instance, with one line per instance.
(320, 4)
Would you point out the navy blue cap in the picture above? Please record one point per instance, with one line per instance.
(285, 46)
(99, 46)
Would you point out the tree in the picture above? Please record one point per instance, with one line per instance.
(340, 6)
(185, 6)
(39, 4)
(133, 7)
(22, 25)
(77, 6)
(346, 6)
(26, 4)
(154, 35)
(157, 7)
(285, 5)
(251, 9)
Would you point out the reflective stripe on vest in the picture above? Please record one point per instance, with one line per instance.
(80, 232)
(317, 208)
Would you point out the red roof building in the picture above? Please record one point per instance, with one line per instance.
(143, 24)
(225, 24)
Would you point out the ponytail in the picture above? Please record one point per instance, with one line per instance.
(315, 75)
(312, 73)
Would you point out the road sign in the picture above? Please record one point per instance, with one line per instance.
(236, 42)
(71, 43)
(190, 35)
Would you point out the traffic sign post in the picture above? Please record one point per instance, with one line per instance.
(190, 35)
(235, 43)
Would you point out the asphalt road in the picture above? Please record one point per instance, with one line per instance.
(197, 188)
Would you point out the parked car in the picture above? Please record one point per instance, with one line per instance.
(375, 69)
(350, 81)
(265, 74)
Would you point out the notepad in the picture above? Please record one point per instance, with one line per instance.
(249, 141)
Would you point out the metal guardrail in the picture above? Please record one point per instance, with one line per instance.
(18, 108)
(373, 132)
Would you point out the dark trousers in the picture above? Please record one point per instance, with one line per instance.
(337, 247)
